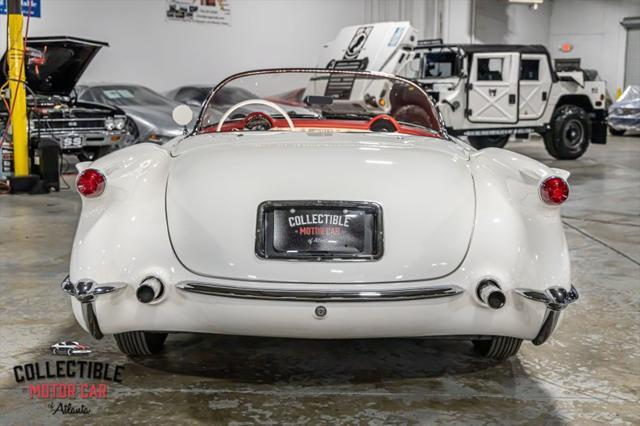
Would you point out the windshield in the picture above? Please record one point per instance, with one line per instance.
(125, 96)
(440, 65)
(303, 99)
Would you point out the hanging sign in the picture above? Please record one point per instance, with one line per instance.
(35, 8)
(202, 11)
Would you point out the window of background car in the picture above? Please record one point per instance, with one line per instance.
(489, 69)
(530, 69)
(128, 95)
(412, 68)
(440, 65)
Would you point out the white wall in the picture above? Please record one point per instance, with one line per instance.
(457, 21)
(499, 22)
(148, 49)
(446, 19)
(593, 28)
(421, 13)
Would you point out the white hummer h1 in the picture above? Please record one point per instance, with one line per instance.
(485, 92)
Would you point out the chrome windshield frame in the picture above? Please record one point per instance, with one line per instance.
(442, 131)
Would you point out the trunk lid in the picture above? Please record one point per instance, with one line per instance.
(217, 182)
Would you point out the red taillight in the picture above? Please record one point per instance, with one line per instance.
(91, 183)
(554, 190)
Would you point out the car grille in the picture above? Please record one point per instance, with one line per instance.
(69, 124)
(626, 111)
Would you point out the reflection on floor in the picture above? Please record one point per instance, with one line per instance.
(588, 372)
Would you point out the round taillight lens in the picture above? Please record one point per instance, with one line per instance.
(554, 190)
(91, 183)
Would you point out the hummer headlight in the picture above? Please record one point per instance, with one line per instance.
(109, 124)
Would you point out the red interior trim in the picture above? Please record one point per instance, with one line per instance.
(313, 123)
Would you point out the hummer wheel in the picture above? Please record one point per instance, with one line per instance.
(570, 133)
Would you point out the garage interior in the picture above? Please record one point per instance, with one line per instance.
(588, 372)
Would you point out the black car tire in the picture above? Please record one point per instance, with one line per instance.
(132, 129)
(616, 132)
(570, 133)
(69, 352)
(140, 343)
(498, 347)
(93, 153)
(481, 142)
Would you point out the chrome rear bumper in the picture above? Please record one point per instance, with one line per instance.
(556, 299)
(337, 295)
(86, 292)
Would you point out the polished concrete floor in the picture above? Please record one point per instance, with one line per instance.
(589, 372)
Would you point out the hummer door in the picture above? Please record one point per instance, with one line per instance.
(492, 92)
(535, 85)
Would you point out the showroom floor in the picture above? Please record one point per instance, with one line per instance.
(588, 372)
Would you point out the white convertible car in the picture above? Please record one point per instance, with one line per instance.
(332, 204)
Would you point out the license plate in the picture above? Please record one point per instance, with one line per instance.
(72, 142)
(319, 230)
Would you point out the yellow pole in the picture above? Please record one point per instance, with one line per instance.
(18, 103)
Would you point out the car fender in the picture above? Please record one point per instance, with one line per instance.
(107, 241)
(517, 238)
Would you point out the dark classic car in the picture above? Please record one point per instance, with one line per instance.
(53, 66)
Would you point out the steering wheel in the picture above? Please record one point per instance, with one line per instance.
(258, 120)
(255, 102)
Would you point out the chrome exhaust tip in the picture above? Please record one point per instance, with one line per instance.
(490, 293)
(149, 290)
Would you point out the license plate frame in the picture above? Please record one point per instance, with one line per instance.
(372, 224)
(72, 141)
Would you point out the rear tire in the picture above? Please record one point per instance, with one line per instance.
(140, 343)
(482, 142)
(616, 132)
(499, 347)
(93, 153)
(570, 133)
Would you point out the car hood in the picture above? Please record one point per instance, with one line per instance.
(155, 118)
(54, 65)
(217, 182)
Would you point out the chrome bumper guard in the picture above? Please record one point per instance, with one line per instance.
(555, 299)
(86, 292)
(320, 295)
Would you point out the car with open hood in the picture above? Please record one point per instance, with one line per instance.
(345, 212)
(53, 66)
